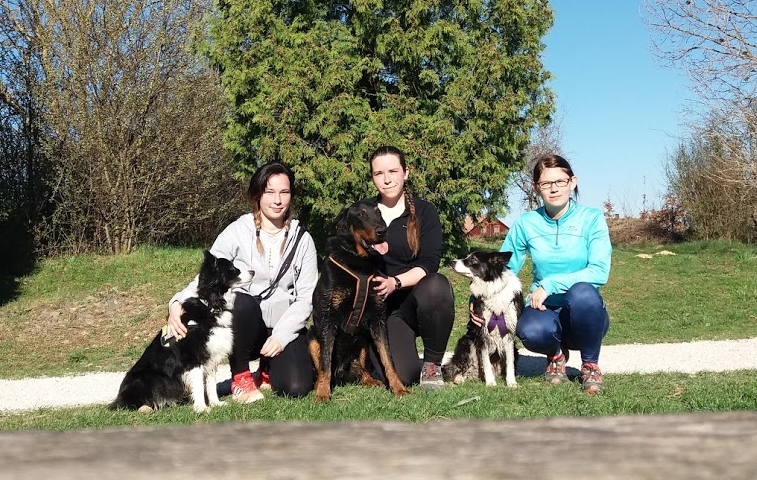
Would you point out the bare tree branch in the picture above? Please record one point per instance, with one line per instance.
(132, 118)
(545, 139)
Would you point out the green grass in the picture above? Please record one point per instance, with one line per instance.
(706, 291)
(90, 313)
(625, 395)
(94, 313)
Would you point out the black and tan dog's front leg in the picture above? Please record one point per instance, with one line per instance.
(381, 339)
(359, 366)
(321, 351)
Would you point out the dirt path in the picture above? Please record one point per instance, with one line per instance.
(718, 356)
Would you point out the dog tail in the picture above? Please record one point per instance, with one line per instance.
(117, 404)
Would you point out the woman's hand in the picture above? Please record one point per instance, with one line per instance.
(473, 317)
(175, 327)
(271, 348)
(384, 286)
(538, 297)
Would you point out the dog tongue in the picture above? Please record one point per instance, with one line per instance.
(381, 248)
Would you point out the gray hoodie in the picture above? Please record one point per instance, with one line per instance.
(288, 309)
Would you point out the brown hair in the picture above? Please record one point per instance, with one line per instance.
(258, 184)
(552, 160)
(413, 229)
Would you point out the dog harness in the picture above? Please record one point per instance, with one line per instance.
(362, 290)
(497, 321)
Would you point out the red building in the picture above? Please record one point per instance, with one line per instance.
(484, 228)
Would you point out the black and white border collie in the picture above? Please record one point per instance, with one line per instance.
(172, 371)
(498, 299)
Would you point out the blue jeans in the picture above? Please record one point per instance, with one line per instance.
(579, 325)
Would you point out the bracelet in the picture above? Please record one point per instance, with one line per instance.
(399, 284)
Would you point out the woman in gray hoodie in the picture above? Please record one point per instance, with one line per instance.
(269, 318)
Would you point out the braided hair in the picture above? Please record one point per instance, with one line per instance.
(259, 244)
(413, 229)
(258, 184)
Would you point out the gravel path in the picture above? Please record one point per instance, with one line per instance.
(713, 356)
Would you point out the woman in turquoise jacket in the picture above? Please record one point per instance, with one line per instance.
(569, 246)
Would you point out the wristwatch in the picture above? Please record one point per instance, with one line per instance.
(399, 284)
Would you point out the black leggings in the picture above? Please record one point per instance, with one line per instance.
(291, 371)
(427, 311)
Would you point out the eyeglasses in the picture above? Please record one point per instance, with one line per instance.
(562, 183)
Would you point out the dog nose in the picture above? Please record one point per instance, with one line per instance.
(380, 231)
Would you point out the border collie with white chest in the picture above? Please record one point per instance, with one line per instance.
(173, 371)
(498, 299)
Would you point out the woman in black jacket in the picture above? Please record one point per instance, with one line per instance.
(420, 301)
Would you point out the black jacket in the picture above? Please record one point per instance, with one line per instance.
(399, 258)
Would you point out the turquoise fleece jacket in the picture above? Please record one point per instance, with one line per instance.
(576, 248)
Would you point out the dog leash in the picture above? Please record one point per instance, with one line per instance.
(362, 291)
(265, 294)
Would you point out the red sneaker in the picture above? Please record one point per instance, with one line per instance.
(243, 388)
(262, 380)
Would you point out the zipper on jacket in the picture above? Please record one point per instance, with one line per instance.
(557, 232)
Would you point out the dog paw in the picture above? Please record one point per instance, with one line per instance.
(491, 383)
(219, 403)
(371, 382)
(399, 392)
(322, 392)
(512, 384)
(201, 409)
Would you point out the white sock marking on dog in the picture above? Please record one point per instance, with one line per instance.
(194, 380)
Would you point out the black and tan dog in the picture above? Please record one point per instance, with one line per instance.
(347, 312)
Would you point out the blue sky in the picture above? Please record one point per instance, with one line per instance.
(620, 111)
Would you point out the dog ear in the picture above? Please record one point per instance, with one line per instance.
(207, 275)
(505, 256)
(339, 224)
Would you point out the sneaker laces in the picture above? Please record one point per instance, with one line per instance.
(556, 364)
(591, 373)
(430, 370)
(245, 383)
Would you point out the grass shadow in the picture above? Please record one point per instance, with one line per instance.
(19, 260)
(535, 366)
(9, 288)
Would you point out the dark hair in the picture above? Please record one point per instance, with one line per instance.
(258, 184)
(552, 160)
(413, 230)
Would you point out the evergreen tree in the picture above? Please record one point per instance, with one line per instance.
(457, 85)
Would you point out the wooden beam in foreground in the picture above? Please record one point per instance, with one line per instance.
(690, 446)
